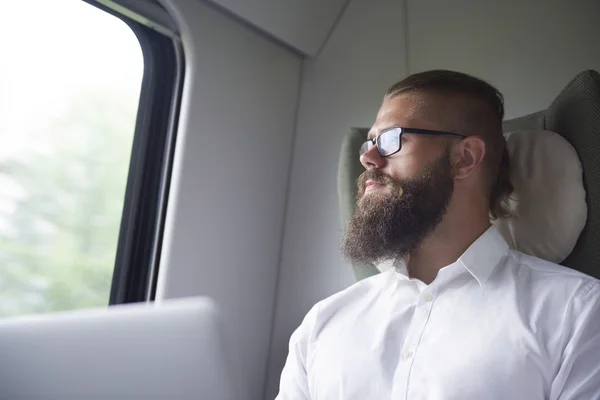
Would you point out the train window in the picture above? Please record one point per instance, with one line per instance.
(77, 83)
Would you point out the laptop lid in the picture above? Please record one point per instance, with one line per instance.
(166, 350)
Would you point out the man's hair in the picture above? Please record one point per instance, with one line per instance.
(479, 110)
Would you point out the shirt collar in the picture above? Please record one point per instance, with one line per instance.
(480, 259)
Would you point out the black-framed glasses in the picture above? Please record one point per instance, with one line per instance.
(390, 141)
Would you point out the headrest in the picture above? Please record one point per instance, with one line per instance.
(548, 205)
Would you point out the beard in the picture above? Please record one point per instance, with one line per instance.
(392, 221)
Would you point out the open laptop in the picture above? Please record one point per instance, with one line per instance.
(169, 350)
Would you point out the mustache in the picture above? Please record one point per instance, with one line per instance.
(374, 175)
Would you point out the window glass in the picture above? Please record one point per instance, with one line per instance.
(70, 80)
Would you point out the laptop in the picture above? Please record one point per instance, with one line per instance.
(166, 350)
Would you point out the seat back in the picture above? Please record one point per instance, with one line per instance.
(574, 114)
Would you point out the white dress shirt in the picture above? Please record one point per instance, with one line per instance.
(496, 324)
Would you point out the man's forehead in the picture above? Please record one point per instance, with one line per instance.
(406, 104)
(411, 110)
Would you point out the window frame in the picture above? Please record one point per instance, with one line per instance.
(149, 177)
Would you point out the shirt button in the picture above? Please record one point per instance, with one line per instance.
(427, 296)
(408, 355)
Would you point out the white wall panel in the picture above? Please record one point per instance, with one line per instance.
(229, 187)
(303, 24)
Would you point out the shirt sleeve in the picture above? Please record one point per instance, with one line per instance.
(578, 377)
(293, 384)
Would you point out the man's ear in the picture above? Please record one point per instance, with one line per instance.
(467, 156)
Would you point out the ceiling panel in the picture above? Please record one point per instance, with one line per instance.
(302, 24)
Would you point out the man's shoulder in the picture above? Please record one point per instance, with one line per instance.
(550, 273)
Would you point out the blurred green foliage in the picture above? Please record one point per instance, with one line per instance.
(63, 201)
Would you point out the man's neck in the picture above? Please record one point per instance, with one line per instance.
(443, 247)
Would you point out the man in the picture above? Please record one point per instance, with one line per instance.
(460, 316)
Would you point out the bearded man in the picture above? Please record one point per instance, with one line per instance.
(460, 316)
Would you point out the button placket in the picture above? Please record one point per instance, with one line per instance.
(411, 343)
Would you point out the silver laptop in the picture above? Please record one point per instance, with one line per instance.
(169, 350)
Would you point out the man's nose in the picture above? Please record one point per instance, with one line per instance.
(372, 158)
